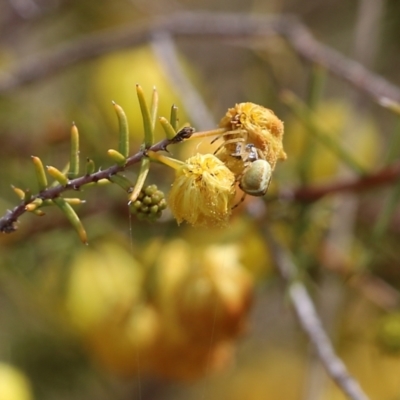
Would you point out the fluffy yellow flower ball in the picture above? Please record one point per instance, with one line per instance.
(203, 192)
(257, 125)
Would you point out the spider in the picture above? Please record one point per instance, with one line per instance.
(257, 172)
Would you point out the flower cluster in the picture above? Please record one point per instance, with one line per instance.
(204, 188)
(150, 204)
(183, 325)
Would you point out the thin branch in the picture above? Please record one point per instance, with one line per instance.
(7, 222)
(310, 193)
(311, 323)
(200, 25)
(199, 114)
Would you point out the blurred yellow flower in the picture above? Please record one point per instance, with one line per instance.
(203, 191)
(14, 385)
(256, 125)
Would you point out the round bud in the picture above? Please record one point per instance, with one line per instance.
(151, 189)
(147, 200)
(154, 209)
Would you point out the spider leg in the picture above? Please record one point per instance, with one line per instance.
(240, 201)
(216, 138)
(229, 141)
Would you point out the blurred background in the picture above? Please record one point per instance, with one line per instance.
(157, 311)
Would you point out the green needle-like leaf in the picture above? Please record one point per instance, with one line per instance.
(74, 201)
(147, 125)
(123, 182)
(160, 158)
(19, 192)
(72, 216)
(144, 170)
(57, 175)
(28, 196)
(74, 156)
(168, 128)
(38, 212)
(315, 89)
(34, 205)
(154, 109)
(316, 85)
(310, 121)
(40, 173)
(90, 167)
(123, 146)
(173, 119)
(117, 157)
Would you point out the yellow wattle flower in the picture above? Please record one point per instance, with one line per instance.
(259, 126)
(203, 192)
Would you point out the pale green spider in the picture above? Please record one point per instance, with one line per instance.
(257, 173)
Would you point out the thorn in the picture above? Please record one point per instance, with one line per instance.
(164, 148)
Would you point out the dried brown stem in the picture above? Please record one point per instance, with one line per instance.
(382, 177)
(200, 25)
(311, 323)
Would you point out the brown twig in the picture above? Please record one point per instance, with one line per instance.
(311, 323)
(382, 177)
(7, 222)
(200, 25)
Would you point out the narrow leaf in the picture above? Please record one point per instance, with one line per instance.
(74, 155)
(74, 201)
(310, 121)
(173, 119)
(38, 212)
(144, 170)
(147, 125)
(170, 162)
(123, 146)
(90, 167)
(123, 182)
(316, 85)
(315, 89)
(34, 205)
(40, 173)
(19, 192)
(153, 108)
(117, 157)
(168, 128)
(64, 172)
(57, 175)
(72, 217)
(28, 196)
